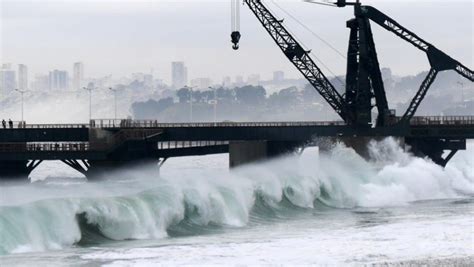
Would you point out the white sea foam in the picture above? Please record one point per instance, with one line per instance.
(138, 205)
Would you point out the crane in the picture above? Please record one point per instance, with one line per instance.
(364, 84)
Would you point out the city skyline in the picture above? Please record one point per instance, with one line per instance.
(137, 48)
(63, 80)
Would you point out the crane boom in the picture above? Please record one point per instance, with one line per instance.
(438, 59)
(299, 57)
(364, 83)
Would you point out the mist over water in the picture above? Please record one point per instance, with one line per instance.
(198, 196)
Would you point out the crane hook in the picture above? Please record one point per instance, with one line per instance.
(235, 38)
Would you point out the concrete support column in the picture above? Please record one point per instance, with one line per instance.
(241, 153)
(244, 152)
(434, 148)
(13, 170)
(99, 169)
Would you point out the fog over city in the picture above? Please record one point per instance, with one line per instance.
(147, 51)
(122, 37)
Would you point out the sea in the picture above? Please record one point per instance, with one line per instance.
(331, 208)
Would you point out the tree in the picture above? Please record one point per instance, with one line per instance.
(183, 95)
(250, 95)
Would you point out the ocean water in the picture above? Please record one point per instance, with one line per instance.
(334, 208)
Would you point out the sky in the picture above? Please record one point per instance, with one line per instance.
(122, 37)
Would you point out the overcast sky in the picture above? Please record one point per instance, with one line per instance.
(121, 37)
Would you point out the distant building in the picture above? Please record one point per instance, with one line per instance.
(91, 85)
(226, 82)
(7, 80)
(58, 80)
(201, 83)
(41, 83)
(254, 79)
(22, 77)
(278, 76)
(7, 66)
(138, 76)
(239, 80)
(386, 73)
(148, 80)
(78, 76)
(179, 75)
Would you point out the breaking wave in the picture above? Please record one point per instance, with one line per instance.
(196, 201)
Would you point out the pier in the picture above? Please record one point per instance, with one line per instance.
(103, 145)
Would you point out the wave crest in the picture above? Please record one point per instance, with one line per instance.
(188, 204)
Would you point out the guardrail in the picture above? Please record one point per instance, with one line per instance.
(97, 147)
(24, 125)
(156, 124)
(54, 126)
(44, 147)
(187, 144)
(127, 123)
(442, 120)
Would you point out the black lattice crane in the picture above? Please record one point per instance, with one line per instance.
(364, 85)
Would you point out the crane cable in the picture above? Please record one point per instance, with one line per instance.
(306, 48)
(311, 31)
(235, 15)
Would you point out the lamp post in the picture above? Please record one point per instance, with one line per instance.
(22, 92)
(190, 88)
(90, 100)
(215, 105)
(462, 92)
(115, 101)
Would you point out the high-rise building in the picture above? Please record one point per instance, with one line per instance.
(22, 77)
(179, 75)
(58, 80)
(278, 76)
(78, 76)
(7, 80)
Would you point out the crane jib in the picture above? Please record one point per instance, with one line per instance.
(299, 57)
(363, 80)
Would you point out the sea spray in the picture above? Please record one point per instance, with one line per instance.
(185, 201)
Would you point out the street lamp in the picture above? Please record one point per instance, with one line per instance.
(90, 100)
(215, 105)
(462, 92)
(190, 88)
(22, 92)
(115, 101)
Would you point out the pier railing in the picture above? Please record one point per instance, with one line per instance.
(442, 120)
(86, 146)
(155, 124)
(127, 123)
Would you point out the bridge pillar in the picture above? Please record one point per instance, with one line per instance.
(434, 148)
(10, 170)
(245, 152)
(99, 169)
(17, 169)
